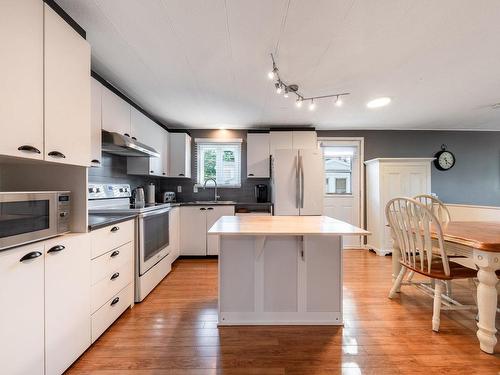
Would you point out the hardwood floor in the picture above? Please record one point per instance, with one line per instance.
(174, 331)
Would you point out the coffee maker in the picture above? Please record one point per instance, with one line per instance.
(261, 193)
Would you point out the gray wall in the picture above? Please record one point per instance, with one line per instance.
(475, 178)
(246, 194)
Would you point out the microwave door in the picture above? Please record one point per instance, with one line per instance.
(153, 238)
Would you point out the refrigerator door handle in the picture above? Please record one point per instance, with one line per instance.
(301, 167)
(297, 182)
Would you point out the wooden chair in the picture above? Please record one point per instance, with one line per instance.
(411, 223)
(436, 206)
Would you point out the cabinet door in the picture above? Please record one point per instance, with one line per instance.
(180, 155)
(214, 213)
(95, 121)
(151, 134)
(115, 113)
(304, 140)
(67, 301)
(280, 141)
(174, 228)
(21, 88)
(193, 230)
(21, 315)
(66, 93)
(165, 154)
(258, 155)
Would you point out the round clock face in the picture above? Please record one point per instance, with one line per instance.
(446, 160)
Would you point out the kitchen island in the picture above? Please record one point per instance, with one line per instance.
(281, 269)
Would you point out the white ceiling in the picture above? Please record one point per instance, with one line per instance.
(204, 64)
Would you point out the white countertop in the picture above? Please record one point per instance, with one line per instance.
(284, 225)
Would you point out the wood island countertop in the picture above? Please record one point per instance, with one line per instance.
(284, 225)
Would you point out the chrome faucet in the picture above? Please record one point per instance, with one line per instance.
(215, 184)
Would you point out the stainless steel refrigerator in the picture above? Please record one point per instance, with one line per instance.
(297, 182)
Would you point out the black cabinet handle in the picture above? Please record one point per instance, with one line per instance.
(250, 174)
(56, 249)
(115, 229)
(151, 171)
(164, 173)
(210, 208)
(114, 253)
(63, 214)
(126, 135)
(115, 275)
(32, 255)
(115, 301)
(181, 174)
(134, 138)
(202, 209)
(95, 161)
(57, 154)
(28, 149)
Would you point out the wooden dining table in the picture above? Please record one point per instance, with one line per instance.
(479, 241)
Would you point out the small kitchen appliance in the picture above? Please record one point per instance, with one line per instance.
(261, 193)
(151, 192)
(168, 197)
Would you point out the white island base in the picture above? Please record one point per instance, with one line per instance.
(271, 273)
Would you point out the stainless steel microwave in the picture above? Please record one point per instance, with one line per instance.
(31, 216)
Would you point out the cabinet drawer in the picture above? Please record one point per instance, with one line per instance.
(111, 310)
(111, 237)
(108, 263)
(110, 285)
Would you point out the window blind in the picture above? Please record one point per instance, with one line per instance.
(219, 159)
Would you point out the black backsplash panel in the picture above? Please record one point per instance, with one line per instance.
(114, 171)
(245, 194)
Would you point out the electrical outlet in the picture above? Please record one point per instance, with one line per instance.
(195, 188)
(179, 188)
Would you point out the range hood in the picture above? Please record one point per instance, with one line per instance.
(115, 143)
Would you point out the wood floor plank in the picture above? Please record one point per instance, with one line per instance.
(174, 332)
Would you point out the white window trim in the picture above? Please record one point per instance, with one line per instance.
(217, 141)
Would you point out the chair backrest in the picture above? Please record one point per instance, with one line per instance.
(411, 222)
(436, 205)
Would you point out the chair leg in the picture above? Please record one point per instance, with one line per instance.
(410, 276)
(448, 288)
(397, 283)
(438, 291)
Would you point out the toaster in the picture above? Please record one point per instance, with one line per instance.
(168, 197)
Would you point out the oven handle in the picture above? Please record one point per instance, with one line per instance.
(155, 212)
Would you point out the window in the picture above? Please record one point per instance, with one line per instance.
(219, 159)
(338, 169)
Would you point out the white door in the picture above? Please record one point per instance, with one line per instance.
(21, 315)
(311, 181)
(21, 87)
(214, 213)
(193, 230)
(285, 180)
(67, 301)
(342, 181)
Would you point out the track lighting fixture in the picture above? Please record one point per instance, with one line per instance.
(282, 86)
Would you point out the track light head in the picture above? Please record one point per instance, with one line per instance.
(298, 102)
(312, 105)
(338, 101)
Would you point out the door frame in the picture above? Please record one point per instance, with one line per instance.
(361, 172)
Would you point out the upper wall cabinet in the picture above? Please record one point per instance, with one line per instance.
(66, 93)
(180, 155)
(292, 139)
(95, 122)
(21, 90)
(280, 140)
(258, 155)
(115, 113)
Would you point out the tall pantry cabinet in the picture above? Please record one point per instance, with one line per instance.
(388, 178)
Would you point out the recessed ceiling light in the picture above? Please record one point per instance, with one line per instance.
(379, 102)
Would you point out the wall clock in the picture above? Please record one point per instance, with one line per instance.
(444, 159)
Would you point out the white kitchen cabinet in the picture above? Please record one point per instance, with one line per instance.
(21, 92)
(165, 154)
(388, 178)
(151, 134)
(258, 155)
(174, 233)
(67, 301)
(194, 224)
(115, 113)
(22, 312)
(279, 140)
(304, 140)
(193, 230)
(66, 92)
(180, 155)
(214, 213)
(95, 122)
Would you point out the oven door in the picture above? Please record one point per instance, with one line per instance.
(26, 217)
(153, 238)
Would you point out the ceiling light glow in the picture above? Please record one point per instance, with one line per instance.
(312, 106)
(338, 102)
(379, 102)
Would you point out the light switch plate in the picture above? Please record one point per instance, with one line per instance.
(179, 188)
(195, 188)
